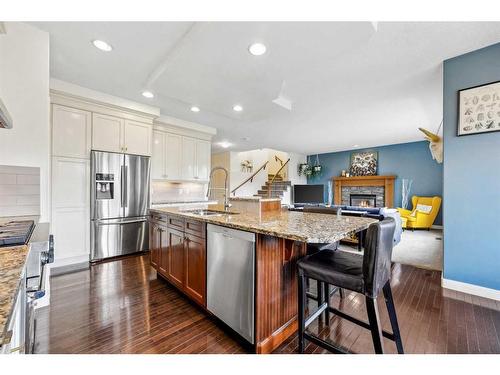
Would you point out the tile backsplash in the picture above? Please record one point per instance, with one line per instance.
(166, 192)
(19, 191)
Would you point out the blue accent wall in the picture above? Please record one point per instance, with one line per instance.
(406, 160)
(471, 178)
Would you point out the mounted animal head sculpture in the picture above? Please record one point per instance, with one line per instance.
(435, 145)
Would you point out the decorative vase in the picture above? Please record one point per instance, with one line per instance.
(405, 191)
(330, 193)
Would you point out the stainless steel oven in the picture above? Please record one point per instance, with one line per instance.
(37, 284)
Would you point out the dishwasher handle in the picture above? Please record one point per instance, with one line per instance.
(231, 233)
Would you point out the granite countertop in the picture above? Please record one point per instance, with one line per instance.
(6, 219)
(12, 260)
(254, 199)
(178, 203)
(299, 226)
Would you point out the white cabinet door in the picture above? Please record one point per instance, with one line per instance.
(188, 158)
(107, 133)
(71, 132)
(70, 207)
(173, 146)
(137, 138)
(202, 160)
(159, 156)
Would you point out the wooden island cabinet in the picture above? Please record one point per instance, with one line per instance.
(178, 254)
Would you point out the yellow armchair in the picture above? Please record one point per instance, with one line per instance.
(419, 219)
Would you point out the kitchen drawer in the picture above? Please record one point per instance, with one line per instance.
(175, 223)
(158, 218)
(195, 227)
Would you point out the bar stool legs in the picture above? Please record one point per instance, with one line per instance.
(319, 293)
(302, 300)
(324, 307)
(375, 327)
(327, 300)
(393, 317)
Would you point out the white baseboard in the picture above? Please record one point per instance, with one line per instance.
(63, 262)
(476, 290)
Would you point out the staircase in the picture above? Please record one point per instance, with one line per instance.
(278, 187)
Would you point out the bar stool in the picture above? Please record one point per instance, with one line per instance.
(368, 274)
(313, 248)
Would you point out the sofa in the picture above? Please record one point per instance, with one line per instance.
(423, 213)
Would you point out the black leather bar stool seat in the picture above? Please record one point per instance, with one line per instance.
(337, 268)
(313, 248)
(368, 274)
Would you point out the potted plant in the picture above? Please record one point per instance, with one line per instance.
(317, 168)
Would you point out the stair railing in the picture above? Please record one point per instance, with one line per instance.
(270, 186)
(263, 166)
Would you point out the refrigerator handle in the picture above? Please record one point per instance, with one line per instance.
(125, 186)
(122, 186)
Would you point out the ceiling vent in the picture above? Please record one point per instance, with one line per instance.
(282, 100)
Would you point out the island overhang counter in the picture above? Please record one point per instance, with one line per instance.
(178, 253)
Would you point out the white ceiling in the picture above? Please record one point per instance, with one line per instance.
(349, 82)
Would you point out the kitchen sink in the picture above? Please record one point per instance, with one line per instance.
(205, 212)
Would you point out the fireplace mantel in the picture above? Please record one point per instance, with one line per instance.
(386, 181)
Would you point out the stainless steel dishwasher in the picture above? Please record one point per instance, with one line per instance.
(230, 278)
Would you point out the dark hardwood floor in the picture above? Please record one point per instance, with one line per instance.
(121, 307)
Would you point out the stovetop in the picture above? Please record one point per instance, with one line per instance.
(16, 232)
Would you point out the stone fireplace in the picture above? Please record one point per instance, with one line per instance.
(363, 200)
(364, 191)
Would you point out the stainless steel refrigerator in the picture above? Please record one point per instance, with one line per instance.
(119, 204)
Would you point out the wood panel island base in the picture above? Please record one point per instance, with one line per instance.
(178, 253)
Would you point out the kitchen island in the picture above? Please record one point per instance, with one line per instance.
(178, 244)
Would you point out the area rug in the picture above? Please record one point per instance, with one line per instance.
(421, 248)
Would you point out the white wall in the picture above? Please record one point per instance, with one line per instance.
(24, 89)
(257, 157)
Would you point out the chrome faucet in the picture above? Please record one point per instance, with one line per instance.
(227, 205)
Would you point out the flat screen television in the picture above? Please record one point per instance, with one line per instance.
(308, 194)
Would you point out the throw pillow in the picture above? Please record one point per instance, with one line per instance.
(424, 208)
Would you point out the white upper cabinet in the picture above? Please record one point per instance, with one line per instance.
(158, 160)
(188, 165)
(114, 134)
(137, 138)
(173, 155)
(179, 158)
(107, 132)
(167, 156)
(202, 160)
(71, 132)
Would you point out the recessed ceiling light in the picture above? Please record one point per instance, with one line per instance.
(224, 144)
(257, 49)
(355, 145)
(102, 45)
(195, 109)
(237, 108)
(148, 94)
